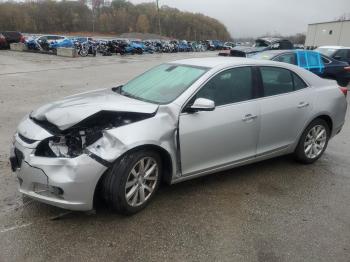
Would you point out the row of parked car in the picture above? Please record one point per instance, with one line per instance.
(88, 45)
(327, 61)
(122, 46)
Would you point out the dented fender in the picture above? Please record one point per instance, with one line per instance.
(159, 130)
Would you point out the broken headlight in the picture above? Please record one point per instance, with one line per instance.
(70, 145)
(73, 141)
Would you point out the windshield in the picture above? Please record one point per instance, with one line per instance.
(326, 51)
(163, 83)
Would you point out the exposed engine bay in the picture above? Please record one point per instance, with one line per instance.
(73, 141)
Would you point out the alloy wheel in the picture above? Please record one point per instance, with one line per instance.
(315, 141)
(141, 182)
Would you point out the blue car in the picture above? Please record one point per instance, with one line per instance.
(67, 43)
(183, 46)
(135, 47)
(313, 61)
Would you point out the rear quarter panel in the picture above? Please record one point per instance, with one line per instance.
(330, 101)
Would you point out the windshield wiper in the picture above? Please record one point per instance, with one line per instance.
(119, 90)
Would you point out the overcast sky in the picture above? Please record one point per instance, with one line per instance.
(245, 18)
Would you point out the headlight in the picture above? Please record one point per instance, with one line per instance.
(59, 147)
(70, 145)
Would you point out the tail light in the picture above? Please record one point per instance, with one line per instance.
(347, 69)
(344, 90)
(2, 37)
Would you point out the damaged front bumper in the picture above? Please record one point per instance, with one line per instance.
(63, 182)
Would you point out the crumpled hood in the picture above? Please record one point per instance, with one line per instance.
(73, 109)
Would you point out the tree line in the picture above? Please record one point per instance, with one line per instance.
(119, 16)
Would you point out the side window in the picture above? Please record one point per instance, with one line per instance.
(298, 82)
(231, 86)
(276, 80)
(325, 60)
(286, 58)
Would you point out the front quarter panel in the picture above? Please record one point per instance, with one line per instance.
(159, 130)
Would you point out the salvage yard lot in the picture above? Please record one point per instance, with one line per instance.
(276, 210)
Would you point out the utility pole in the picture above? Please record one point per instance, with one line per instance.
(159, 28)
(93, 19)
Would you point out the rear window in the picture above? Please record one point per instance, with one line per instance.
(310, 60)
(279, 81)
(286, 58)
(326, 51)
(276, 80)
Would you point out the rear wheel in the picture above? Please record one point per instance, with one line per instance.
(343, 82)
(313, 142)
(132, 181)
(84, 51)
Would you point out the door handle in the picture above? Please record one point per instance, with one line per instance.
(303, 104)
(249, 117)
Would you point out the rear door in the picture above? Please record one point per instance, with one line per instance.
(284, 108)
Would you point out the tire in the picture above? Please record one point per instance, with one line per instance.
(343, 82)
(84, 52)
(118, 182)
(139, 51)
(310, 149)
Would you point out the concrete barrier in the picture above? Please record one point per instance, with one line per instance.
(66, 52)
(18, 47)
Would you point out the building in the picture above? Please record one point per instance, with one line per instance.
(328, 33)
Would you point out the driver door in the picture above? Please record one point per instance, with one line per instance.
(216, 139)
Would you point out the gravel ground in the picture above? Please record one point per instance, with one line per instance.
(276, 210)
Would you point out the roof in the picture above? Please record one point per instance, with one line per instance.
(212, 62)
(328, 22)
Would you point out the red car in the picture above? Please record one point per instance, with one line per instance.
(9, 37)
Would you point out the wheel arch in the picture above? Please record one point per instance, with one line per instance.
(327, 119)
(324, 116)
(165, 156)
(167, 165)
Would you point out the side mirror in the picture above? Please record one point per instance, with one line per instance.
(202, 104)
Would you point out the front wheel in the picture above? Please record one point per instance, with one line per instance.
(313, 142)
(132, 181)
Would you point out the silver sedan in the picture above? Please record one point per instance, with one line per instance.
(175, 122)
